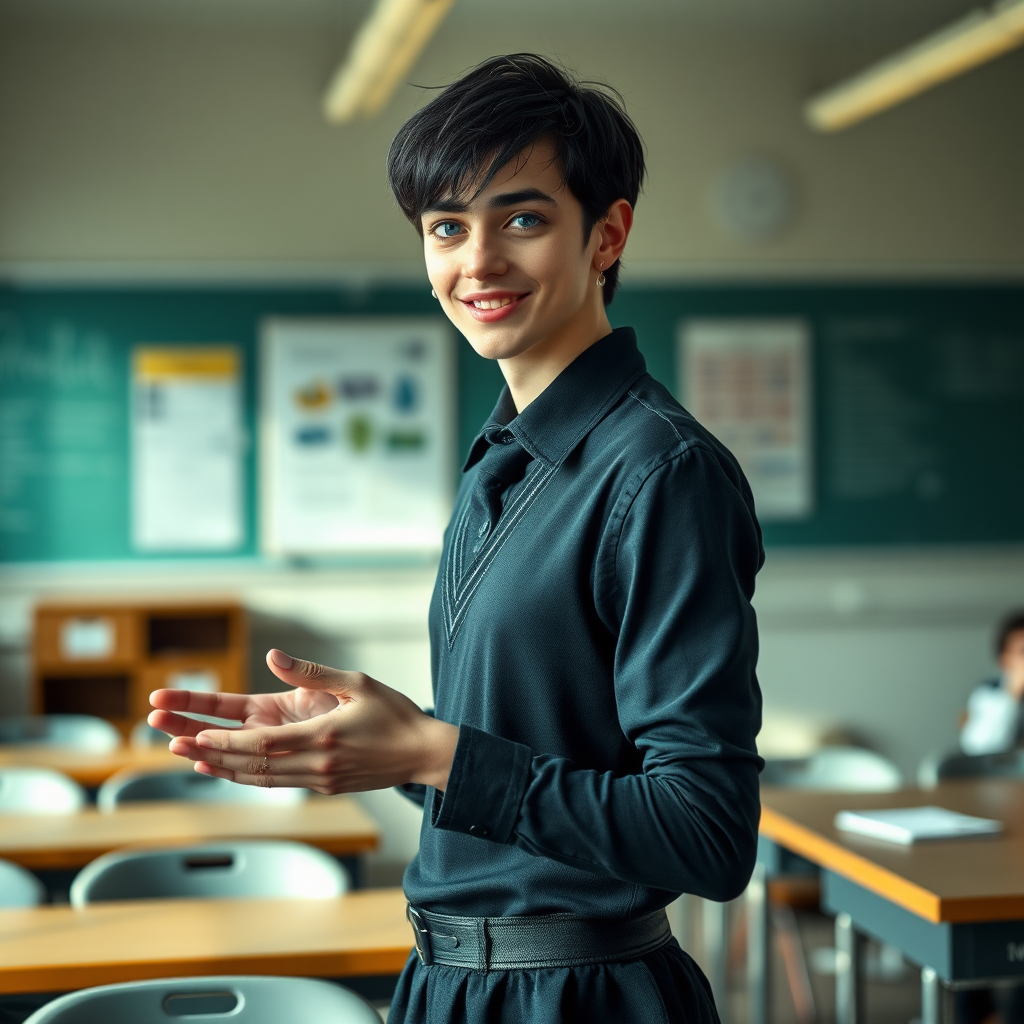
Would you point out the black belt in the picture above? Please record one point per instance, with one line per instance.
(522, 943)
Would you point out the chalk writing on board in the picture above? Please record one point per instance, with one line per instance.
(67, 358)
(59, 429)
(977, 366)
(880, 432)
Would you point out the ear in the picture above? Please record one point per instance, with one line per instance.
(612, 232)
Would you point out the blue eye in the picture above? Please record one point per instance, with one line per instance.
(525, 221)
(446, 229)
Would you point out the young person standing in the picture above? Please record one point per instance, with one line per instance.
(592, 753)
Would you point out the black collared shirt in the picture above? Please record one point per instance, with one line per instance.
(597, 650)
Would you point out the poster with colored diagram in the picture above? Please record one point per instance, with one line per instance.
(356, 435)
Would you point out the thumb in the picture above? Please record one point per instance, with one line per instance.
(311, 675)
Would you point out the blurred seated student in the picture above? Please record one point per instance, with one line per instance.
(995, 709)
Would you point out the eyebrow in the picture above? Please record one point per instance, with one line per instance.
(497, 202)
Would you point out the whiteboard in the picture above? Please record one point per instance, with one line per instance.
(356, 435)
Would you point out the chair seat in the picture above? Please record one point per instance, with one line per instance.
(226, 999)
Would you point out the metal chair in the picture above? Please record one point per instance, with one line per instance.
(79, 732)
(240, 869)
(39, 791)
(129, 787)
(955, 765)
(838, 769)
(227, 1000)
(18, 887)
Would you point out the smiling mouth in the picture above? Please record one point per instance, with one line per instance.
(499, 301)
(487, 310)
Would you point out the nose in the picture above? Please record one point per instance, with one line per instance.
(483, 258)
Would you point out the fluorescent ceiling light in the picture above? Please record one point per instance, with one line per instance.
(975, 39)
(385, 47)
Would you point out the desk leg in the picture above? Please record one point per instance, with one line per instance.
(758, 944)
(713, 917)
(849, 994)
(933, 997)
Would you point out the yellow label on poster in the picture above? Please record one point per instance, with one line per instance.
(153, 363)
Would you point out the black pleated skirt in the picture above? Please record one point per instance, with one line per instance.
(664, 987)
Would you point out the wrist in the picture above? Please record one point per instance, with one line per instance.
(438, 751)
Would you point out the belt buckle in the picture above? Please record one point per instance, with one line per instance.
(421, 935)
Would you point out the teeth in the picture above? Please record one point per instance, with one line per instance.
(491, 303)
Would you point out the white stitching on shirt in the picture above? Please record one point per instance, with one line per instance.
(637, 398)
(456, 604)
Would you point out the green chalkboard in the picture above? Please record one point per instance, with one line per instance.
(918, 396)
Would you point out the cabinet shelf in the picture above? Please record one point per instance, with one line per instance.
(105, 659)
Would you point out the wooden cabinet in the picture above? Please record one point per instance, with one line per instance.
(105, 659)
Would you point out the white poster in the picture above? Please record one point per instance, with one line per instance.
(748, 382)
(356, 438)
(187, 440)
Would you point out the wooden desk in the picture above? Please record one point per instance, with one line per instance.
(62, 841)
(89, 770)
(57, 948)
(955, 907)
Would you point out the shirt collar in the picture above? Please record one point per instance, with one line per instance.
(570, 406)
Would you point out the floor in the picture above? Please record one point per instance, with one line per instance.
(892, 988)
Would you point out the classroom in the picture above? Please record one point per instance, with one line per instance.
(266, 269)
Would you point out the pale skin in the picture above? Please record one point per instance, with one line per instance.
(1011, 662)
(520, 243)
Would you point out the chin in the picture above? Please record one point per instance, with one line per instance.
(497, 343)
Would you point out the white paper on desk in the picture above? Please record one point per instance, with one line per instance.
(907, 825)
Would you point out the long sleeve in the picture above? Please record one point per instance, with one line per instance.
(673, 583)
(992, 722)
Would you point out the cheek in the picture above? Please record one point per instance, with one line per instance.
(563, 273)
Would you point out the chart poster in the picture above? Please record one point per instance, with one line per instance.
(187, 448)
(748, 382)
(356, 436)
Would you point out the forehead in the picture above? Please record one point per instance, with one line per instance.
(534, 169)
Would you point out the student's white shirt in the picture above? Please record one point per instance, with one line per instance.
(993, 720)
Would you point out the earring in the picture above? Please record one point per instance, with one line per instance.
(600, 280)
(433, 293)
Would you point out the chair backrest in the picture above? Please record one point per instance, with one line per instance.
(130, 787)
(239, 869)
(79, 732)
(841, 769)
(145, 735)
(39, 791)
(955, 765)
(18, 887)
(215, 1000)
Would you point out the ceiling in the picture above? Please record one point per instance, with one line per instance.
(826, 19)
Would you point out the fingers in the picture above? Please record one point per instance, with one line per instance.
(261, 741)
(306, 764)
(264, 781)
(296, 672)
(175, 725)
(220, 705)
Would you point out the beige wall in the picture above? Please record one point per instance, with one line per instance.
(205, 143)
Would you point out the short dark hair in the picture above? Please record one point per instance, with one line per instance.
(1012, 622)
(499, 109)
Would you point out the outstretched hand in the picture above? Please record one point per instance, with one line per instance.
(336, 732)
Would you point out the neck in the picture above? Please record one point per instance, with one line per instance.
(529, 374)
